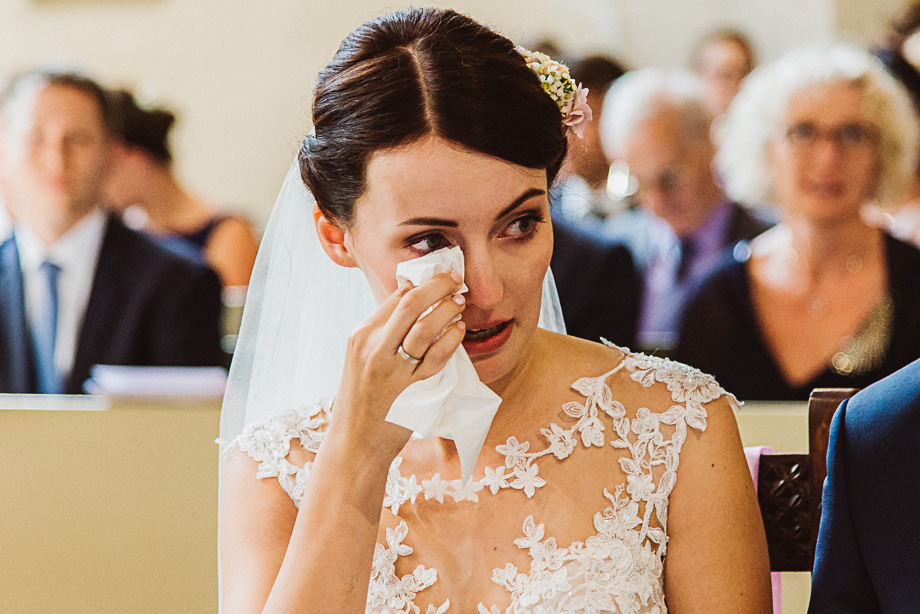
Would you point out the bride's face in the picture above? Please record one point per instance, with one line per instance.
(432, 194)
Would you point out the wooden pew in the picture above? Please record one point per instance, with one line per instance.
(789, 488)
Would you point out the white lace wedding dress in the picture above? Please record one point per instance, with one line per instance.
(554, 553)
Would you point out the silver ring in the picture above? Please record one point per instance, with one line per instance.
(412, 360)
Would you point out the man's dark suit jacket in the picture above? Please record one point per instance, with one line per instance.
(147, 307)
(598, 285)
(745, 225)
(868, 556)
(636, 228)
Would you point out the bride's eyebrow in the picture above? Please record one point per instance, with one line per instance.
(437, 221)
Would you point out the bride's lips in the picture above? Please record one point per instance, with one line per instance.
(487, 339)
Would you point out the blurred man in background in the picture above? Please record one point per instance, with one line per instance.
(657, 123)
(78, 288)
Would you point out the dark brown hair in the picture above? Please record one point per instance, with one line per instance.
(147, 129)
(727, 35)
(907, 20)
(596, 72)
(60, 77)
(424, 72)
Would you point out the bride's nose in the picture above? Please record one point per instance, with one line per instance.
(484, 280)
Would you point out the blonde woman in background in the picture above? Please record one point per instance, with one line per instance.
(822, 299)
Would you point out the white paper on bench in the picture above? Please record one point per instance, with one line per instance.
(157, 381)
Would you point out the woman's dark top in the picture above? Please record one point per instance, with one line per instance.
(721, 332)
(201, 235)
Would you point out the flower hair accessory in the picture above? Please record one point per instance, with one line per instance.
(571, 99)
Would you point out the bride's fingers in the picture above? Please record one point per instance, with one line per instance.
(414, 303)
(440, 351)
(426, 330)
(385, 309)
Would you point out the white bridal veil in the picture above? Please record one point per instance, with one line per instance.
(300, 309)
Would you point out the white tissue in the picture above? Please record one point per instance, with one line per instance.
(453, 404)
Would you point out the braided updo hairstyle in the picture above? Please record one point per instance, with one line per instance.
(423, 72)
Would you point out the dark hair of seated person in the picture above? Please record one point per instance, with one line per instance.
(59, 77)
(727, 35)
(904, 23)
(147, 129)
(596, 72)
(461, 81)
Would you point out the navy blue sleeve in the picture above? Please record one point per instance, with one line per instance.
(840, 582)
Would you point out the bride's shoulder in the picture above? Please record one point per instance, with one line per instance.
(580, 354)
(645, 380)
(284, 442)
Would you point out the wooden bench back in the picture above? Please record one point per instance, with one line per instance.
(789, 488)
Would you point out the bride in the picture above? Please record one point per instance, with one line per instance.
(608, 482)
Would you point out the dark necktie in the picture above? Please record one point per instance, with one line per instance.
(44, 331)
(685, 259)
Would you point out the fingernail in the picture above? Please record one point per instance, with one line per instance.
(457, 277)
(458, 298)
(457, 318)
(461, 325)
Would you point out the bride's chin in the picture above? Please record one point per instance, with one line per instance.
(498, 368)
(493, 366)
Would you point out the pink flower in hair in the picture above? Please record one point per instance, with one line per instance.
(557, 83)
(578, 113)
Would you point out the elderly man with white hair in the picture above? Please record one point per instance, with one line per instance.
(658, 124)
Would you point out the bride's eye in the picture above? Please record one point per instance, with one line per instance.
(428, 243)
(523, 227)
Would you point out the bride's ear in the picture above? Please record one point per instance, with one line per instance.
(332, 238)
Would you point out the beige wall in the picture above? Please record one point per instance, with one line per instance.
(862, 20)
(240, 73)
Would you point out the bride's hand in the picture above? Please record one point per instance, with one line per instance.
(375, 372)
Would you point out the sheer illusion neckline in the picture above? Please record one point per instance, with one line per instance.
(618, 568)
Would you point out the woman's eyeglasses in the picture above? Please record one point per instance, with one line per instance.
(847, 138)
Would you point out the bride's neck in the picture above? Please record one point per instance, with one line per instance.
(519, 377)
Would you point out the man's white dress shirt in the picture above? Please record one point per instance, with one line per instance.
(76, 253)
(6, 223)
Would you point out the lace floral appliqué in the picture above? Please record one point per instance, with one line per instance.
(616, 570)
(269, 444)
